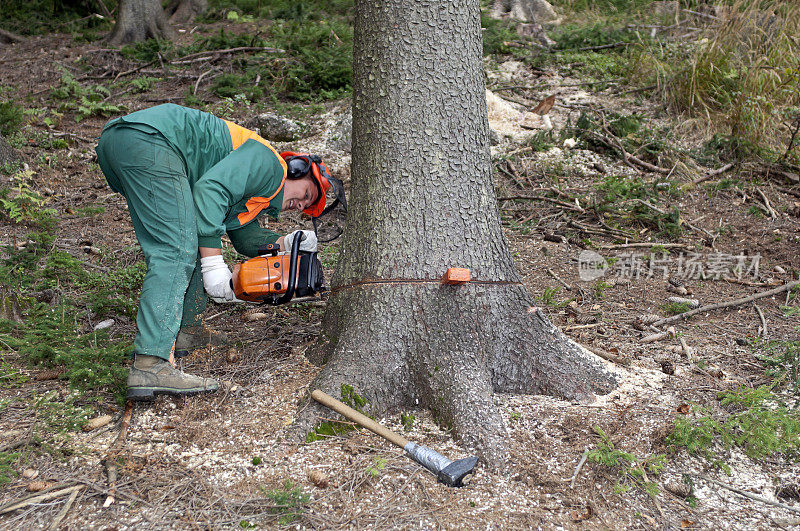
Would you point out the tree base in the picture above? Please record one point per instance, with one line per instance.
(139, 20)
(397, 351)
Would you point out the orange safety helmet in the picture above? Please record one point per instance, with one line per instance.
(298, 164)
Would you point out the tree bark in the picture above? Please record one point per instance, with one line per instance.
(183, 11)
(422, 201)
(139, 20)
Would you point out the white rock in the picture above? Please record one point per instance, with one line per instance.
(108, 323)
(570, 143)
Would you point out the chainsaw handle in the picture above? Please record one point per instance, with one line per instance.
(292, 272)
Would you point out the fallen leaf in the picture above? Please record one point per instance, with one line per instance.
(684, 409)
(545, 105)
(686, 523)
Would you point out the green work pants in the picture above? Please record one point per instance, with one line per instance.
(139, 163)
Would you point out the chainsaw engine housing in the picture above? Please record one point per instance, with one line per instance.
(277, 278)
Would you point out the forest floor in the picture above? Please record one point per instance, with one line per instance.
(223, 461)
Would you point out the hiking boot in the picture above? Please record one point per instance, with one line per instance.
(150, 376)
(194, 337)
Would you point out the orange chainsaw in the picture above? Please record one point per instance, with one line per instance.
(276, 278)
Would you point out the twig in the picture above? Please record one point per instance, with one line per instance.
(133, 70)
(729, 304)
(569, 206)
(103, 8)
(607, 355)
(582, 461)
(64, 510)
(111, 458)
(199, 79)
(652, 338)
(638, 245)
(553, 274)
(747, 494)
(714, 173)
(770, 210)
(682, 222)
(606, 46)
(211, 54)
(763, 321)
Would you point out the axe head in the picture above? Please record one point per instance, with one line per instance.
(453, 474)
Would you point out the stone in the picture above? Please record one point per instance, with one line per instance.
(276, 128)
(341, 135)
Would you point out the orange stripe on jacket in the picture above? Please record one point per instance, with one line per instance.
(240, 135)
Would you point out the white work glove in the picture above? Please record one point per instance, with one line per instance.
(217, 279)
(309, 243)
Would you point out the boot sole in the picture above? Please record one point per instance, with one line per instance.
(147, 394)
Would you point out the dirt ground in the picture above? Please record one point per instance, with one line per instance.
(212, 462)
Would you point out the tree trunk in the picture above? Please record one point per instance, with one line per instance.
(183, 11)
(139, 20)
(422, 201)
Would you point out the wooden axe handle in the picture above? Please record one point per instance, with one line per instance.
(358, 418)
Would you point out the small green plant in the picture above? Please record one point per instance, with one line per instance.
(334, 428)
(256, 461)
(675, 308)
(8, 468)
(632, 470)
(757, 421)
(22, 204)
(144, 84)
(541, 141)
(549, 297)
(781, 359)
(600, 288)
(407, 420)
(48, 338)
(378, 464)
(496, 36)
(289, 502)
(10, 118)
(84, 101)
(90, 211)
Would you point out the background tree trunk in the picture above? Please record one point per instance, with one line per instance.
(139, 20)
(422, 200)
(182, 11)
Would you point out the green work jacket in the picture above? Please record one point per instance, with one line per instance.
(235, 175)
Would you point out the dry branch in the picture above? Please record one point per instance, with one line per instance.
(770, 210)
(714, 173)
(746, 494)
(212, 54)
(763, 321)
(111, 458)
(64, 510)
(7, 36)
(38, 498)
(729, 304)
(569, 206)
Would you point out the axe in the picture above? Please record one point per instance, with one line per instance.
(451, 473)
